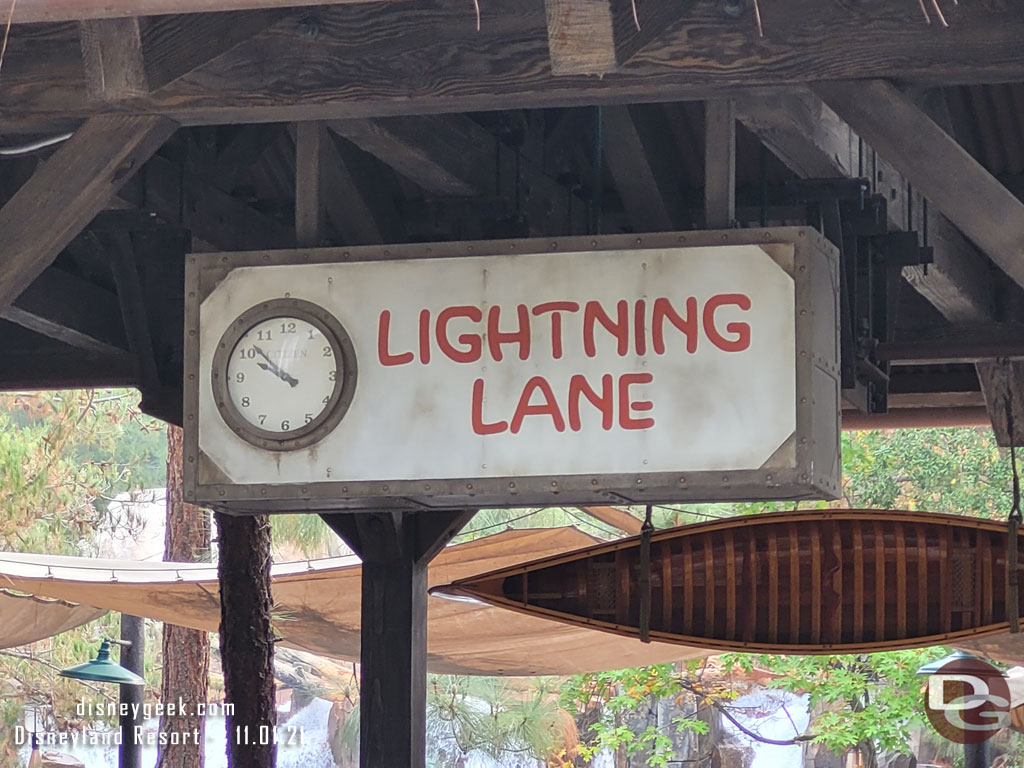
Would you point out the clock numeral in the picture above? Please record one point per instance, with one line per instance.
(332, 376)
(328, 352)
(312, 334)
(247, 354)
(285, 425)
(263, 419)
(287, 327)
(245, 402)
(239, 377)
(309, 418)
(326, 400)
(263, 335)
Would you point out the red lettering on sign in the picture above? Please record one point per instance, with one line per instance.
(472, 343)
(640, 326)
(740, 329)
(593, 313)
(496, 337)
(604, 402)
(627, 406)
(556, 308)
(424, 336)
(663, 310)
(548, 408)
(480, 427)
(383, 331)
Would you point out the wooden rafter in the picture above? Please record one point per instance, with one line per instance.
(127, 58)
(34, 11)
(454, 155)
(74, 311)
(68, 191)
(932, 160)
(379, 65)
(810, 138)
(594, 37)
(309, 198)
(635, 153)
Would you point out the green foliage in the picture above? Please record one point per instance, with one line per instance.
(63, 456)
(486, 714)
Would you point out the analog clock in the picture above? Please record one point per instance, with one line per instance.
(284, 374)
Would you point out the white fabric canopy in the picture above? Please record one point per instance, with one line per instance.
(318, 602)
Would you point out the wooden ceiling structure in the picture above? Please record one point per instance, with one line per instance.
(133, 132)
(415, 120)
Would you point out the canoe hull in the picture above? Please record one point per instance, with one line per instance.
(825, 581)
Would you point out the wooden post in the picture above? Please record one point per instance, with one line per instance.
(395, 548)
(133, 630)
(719, 164)
(309, 209)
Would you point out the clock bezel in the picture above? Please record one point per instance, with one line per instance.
(341, 396)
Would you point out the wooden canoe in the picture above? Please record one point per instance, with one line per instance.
(822, 581)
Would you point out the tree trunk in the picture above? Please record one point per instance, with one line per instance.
(247, 638)
(186, 652)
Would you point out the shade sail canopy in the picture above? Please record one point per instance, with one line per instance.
(27, 618)
(318, 604)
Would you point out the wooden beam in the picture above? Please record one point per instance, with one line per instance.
(616, 518)
(369, 60)
(71, 310)
(68, 191)
(50, 365)
(126, 58)
(356, 204)
(955, 344)
(213, 215)
(454, 155)
(638, 158)
(810, 138)
(35, 11)
(594, 37)
(395, 549)
(441, 154)
(719, 163)
(309, 203)
(1003, 387)
(944, 172)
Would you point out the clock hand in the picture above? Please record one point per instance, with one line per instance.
(271, 366)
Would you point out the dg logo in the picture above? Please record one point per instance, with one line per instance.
(967, 700)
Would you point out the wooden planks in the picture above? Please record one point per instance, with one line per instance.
(932, 160)
(130, 57)
(309, 202)
(815, 142)
(34, 11)
(369, 60)
(719, 163)
(68, 191)
(593, 37)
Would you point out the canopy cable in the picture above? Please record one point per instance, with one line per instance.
(645, 577)
(1014, 519)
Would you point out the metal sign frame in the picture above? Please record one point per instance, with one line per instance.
(806, 466)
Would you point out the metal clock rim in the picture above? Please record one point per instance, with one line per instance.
(340, 397)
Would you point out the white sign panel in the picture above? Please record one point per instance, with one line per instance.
(619, 369)
(533, 365)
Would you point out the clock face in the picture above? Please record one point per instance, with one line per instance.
(283, 374)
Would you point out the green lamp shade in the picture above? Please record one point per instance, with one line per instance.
(103, 670)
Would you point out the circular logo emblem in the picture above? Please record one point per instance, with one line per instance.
(967, 701)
